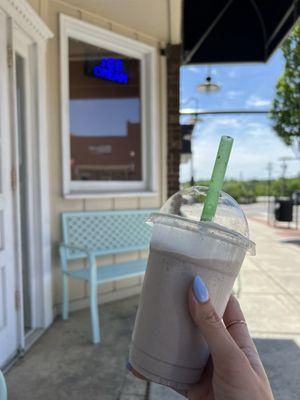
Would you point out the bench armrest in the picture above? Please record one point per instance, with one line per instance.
(77, 248)
(63, 247)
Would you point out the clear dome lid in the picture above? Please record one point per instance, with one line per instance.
(187, 205)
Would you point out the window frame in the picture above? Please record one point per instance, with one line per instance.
(71, 28)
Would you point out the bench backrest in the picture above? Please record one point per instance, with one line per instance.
(106, 232)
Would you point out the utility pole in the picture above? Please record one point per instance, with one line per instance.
(269, 169)
(194, 122)
(283, 169)
(284, 166)
(192, 181)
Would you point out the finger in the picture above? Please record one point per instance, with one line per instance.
(209, 322)
(240, 333)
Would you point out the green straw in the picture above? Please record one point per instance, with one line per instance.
(217, 179)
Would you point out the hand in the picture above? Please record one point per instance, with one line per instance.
(234, 370)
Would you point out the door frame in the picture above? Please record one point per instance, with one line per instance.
(8, 320)
(24, 46)
(21, 17)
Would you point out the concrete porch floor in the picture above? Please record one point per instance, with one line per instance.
(64, 365)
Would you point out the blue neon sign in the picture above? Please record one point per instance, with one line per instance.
(111, 69)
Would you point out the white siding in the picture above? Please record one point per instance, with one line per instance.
(49, 11)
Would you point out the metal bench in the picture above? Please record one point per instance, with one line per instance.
(88, 235)
(3, 389)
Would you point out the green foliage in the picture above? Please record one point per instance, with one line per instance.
(286, 105)
(247, 191)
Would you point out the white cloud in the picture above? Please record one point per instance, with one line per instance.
(257, 130)
(233, 94)
(215, 72)
(191, 110)
(195, 70)
(219, 124)
(232, 73)
(229, 121)
(254, 146)
(256, 101)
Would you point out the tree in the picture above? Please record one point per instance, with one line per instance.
(286, 105)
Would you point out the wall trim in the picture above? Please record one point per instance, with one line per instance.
(25, 16)
(102, 21)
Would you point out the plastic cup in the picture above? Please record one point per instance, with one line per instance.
(167, 347)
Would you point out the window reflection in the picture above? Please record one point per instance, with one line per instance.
(105, 122)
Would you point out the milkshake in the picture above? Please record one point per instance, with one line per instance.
(166, 346)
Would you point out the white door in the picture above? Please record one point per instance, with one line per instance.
(25, 260)
(8, 309)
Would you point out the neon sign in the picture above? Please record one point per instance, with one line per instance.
(111, 69)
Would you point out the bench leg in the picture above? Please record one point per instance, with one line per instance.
(3, 389)
(65, 297)
(94, 313)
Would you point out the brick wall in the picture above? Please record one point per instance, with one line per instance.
(174, 140)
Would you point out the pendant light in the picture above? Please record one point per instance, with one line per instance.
(208, 86)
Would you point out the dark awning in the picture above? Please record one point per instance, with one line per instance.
(224, 31)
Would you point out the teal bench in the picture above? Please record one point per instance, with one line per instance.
(3, 389)
(88, 235)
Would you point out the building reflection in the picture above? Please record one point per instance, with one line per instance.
(107, 157)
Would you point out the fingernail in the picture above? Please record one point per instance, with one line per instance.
(200, 290)
(129, 366)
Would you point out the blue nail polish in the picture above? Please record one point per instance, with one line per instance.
(129, 366)
(200, 290)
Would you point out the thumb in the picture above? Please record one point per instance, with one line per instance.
(209, 322)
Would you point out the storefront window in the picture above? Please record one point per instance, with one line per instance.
(109, 112)
(105, 114)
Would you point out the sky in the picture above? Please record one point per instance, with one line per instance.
(243, 86)
(103, 117)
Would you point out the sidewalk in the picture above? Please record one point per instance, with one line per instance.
(270, 298)
(270, 294)
(64, 365)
